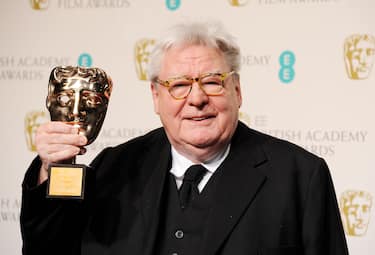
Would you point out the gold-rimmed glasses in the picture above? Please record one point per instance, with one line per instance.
(211, 83)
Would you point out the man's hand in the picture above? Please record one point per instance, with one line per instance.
(56, 141)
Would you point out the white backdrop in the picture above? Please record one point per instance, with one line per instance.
(294, 82)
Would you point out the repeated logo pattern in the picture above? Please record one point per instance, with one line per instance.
(287, 60)
(355, 206)
(173, 4)
(359, 55)
(39, 4)
(85, 60)
(33, 120)
(142, 50)
(238, 3)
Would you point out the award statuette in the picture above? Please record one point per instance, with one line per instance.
(78, 96)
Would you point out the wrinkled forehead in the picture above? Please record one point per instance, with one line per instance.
(191, 59)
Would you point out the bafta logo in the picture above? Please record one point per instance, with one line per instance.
(238, 3)
(39, 4)
(359, 54)
(32, 121)
(355, 206)
(173, 4)
(78, 96)
(142, 52)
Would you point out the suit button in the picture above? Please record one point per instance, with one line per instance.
(179, 234)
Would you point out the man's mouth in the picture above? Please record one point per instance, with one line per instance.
(200, 118)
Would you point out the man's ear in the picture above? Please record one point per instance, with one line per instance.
(238, 91)
(155, 97)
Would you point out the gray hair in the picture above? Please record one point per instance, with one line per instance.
(197, 33)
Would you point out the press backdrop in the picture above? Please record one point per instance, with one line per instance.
(306, 77)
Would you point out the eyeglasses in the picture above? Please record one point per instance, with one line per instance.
(180, 87)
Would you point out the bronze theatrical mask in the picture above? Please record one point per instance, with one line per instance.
(79, 96)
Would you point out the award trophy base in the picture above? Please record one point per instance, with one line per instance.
(66, 181)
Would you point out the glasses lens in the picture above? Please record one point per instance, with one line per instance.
(212, 84)
(180, 88)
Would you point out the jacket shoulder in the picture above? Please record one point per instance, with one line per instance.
(138, 145)
(276, 148)
(130, 162)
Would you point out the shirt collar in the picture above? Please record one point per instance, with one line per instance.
(180, 163)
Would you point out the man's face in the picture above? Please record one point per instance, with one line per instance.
(358, 215)
(361, 59)
(198, 126)
(79, 101)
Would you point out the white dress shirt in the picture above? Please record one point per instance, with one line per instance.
(180, 164)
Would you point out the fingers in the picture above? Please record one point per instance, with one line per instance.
(60, 138)
(57, 141)
(57, 127)
(58, 152)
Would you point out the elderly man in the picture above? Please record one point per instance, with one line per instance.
(204, 183)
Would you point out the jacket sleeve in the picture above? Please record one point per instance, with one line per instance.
(48, 226)
(322, 228)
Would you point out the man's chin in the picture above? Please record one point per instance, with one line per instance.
(201, 141)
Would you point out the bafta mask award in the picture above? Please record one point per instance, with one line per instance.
(78, 96)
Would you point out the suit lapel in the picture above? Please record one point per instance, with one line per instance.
(151, 199)
(238, 183)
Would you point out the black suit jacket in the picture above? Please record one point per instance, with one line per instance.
(272, 197)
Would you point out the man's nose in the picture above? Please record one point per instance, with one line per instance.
(197, 96)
